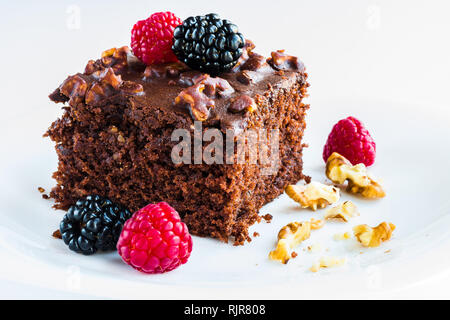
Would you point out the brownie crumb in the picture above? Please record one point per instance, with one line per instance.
(294, 254)
(57, 234)
(44, 196)
(268, 217)
(255, 234)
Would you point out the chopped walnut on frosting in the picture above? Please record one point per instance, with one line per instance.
(373, 237)
(327, 262)
(199, 98)
(339, 170)
(289, 237)
(314, 195)
(344, 211)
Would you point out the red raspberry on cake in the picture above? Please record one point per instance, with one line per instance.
(151, 39)
(350, 139)
(154, 240)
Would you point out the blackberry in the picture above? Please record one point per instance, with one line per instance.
(93, 223)
(208, 43)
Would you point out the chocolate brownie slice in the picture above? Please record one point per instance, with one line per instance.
(115, 137)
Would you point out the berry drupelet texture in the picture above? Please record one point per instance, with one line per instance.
(151, 39)
(208, 43)
(351, 139)
(155, 240)
(93, 223)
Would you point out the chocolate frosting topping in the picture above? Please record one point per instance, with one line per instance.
(226, 100)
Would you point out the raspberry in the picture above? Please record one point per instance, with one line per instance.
(154, 240)
(151, 39)
(349, 138)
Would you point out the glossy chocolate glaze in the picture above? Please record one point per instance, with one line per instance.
(159, 85)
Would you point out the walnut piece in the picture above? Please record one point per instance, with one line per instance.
(344, 211)
(327, 262)
(314, 195)
(316, 224)
(290, 236)
(373, 237)
(279, 60)
(199, 98)
(116, 58)
(342, 236)
(315, 247)
(75, 88)
(339, 170)
(243, 103)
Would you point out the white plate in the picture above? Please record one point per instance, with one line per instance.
(412, 159)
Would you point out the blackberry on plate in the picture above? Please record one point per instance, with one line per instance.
(208, 43)
(93, 223)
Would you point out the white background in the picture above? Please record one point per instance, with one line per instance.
(396, 51)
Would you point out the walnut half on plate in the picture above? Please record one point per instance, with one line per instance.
(290, 236)
(373, 237)
(339, 170)
(314, 195)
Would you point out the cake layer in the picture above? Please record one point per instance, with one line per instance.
(114, 138)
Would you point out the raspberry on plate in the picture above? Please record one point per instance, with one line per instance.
(350, 139)
(154, 240)
(151, 39)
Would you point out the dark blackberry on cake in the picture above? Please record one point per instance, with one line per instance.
(208, 43)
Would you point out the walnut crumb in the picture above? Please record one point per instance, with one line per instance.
(342, 236)
(41, 190)
(316, 223)
(315, 247)
(255, 234)
(327, 262)
(344, 211)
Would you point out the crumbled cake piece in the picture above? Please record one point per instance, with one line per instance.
(267, 217)
(57, 234)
